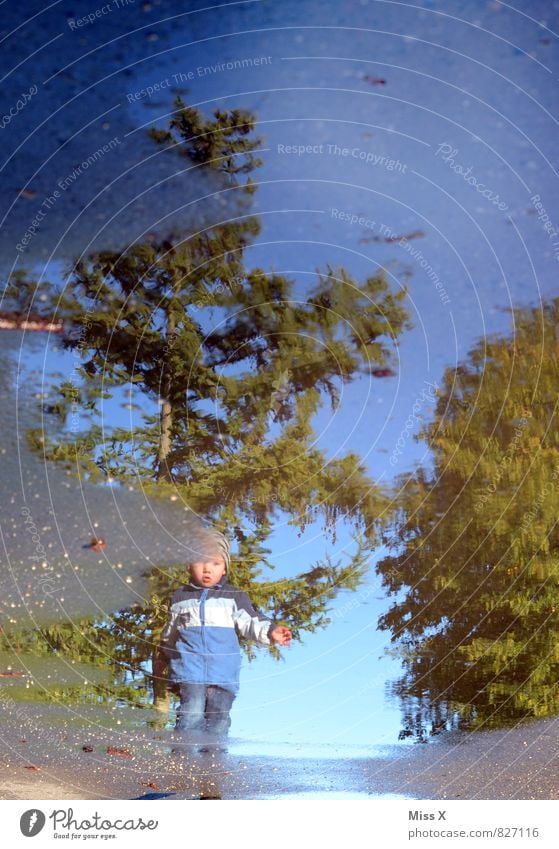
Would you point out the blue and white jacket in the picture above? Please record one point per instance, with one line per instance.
(200, 639)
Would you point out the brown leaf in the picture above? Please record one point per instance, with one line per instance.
(151, 784)
(383, 372)
(87, 748)
(115, 750)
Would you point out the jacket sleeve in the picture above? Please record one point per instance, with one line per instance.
(170, 635)
(250, 623)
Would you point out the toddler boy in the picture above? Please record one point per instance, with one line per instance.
(201, 641)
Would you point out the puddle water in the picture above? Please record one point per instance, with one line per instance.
(435, 445)
(324, 751)
(338, 795)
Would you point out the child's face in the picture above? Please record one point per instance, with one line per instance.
(208, 570)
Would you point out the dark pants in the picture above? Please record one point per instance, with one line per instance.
(205, 708)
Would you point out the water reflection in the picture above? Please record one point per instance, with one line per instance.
(307, 795)
(80, 165)
(230, 365)
(475, 574)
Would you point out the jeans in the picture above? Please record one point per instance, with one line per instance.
(204, 708)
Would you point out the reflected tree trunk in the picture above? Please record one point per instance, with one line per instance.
(161, 694)
(166, 418)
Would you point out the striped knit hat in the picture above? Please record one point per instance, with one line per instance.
(222, 544)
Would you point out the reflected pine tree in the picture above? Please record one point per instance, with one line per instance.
(475, 568)
(228, 367)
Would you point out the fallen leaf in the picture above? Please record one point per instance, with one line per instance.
(33, 768)
(406, 237)
(383, 372)
(114, 750)
(388, 240)
(151, 784)
(87, 748)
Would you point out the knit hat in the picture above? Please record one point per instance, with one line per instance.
(222, 544)
(212, 543)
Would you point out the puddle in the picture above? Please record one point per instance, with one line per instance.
(474, 583)
(302, 750)
(337, 795)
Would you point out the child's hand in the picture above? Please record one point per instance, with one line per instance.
(281, 635)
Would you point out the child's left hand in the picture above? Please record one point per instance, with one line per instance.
(281, 635)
